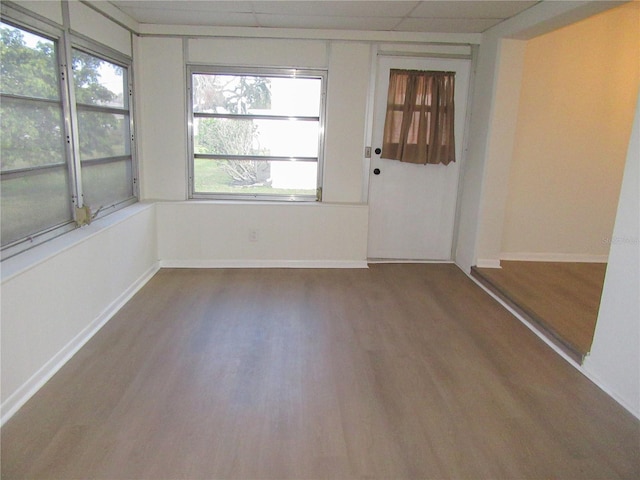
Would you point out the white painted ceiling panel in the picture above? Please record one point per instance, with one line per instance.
(324, 22)
(193, 17)
(337, 8)
(186, 5)
(470, 9)
(447, 25)
(450, 16)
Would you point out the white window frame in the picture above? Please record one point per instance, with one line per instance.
(65, 42)
(112, 56)
(193, 69)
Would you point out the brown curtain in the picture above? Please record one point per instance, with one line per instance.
(419, 123)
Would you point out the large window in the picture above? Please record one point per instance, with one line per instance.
(256, 134)
(34, 170)
(104, 130)
(66, 134)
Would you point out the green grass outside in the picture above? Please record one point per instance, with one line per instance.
(210, 177)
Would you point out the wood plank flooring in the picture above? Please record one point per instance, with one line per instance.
(395, 372)
(562, 297)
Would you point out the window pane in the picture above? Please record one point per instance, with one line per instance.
(103, 134)
(29, 66)
(249, 177)
(34, 203)
(104, 184)
(98, 82)
(222, 136)
(256, 95)
(31, 134)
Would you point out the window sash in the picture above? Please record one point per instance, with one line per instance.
(316, 159)
(65, 43)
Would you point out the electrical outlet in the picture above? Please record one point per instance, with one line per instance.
(253, 235)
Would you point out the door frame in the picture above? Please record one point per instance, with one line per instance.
(376, 52)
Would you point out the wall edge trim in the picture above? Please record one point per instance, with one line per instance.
(554, 257)
(177, 263)
(488, 263)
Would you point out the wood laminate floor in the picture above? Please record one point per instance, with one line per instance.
(395, 372)
(563, 298)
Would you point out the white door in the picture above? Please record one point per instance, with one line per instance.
(412, 207)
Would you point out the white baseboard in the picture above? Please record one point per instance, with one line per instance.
(632, 409)
(488, 263)
(408, 260)
(554, 257)
(263, 264)
(18, 398)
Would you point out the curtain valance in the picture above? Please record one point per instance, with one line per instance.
(419, 122)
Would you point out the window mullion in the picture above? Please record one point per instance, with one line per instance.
(101, 109)
(71, 122)
(275, 158)
(251, 116)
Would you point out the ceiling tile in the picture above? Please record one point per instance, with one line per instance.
(450, 16)
(336, 8)
(445, 25)
(192, 17)
(185, 5)
(470, 9)
(325, 22)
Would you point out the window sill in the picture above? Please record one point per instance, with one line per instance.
(33, 257)
(273, 203)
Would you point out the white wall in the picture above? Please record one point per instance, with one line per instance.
(92, 24)
(613, 363)
(201, 234)
(348, 90)
(214, 233)
(160, 82)
(483, 195)
(45, 8)
(56, 295)
(110, 259)
(161, 75)
(614, 360)
(509, 64)
(571, 138)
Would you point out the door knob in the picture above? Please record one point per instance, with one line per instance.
(378, 151)
(376, 171)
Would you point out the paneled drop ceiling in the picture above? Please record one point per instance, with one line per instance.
(450, 16)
